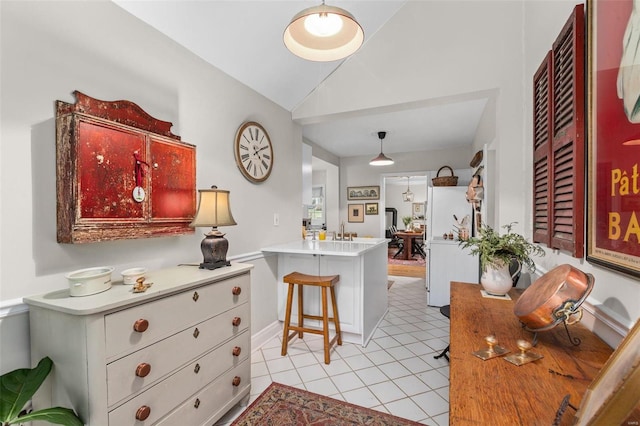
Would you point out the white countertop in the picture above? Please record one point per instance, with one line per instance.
(327, 247)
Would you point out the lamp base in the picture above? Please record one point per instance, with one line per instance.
(214, 265)
(214, 248)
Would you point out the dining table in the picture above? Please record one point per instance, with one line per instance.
(408, 238)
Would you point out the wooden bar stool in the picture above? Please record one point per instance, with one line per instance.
(323, 282)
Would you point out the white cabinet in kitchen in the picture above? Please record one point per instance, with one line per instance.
(177, 354)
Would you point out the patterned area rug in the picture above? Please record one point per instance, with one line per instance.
(399, 261)
(282, 405)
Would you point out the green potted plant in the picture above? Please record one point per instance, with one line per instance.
(496, 252)
(406, 220)
(17, 387)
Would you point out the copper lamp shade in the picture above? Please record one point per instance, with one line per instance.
(214, 210)
(381, 159)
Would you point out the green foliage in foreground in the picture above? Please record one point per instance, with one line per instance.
(17, 387)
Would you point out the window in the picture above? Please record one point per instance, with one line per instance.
(317, 209)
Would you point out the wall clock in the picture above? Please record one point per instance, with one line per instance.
(253, 152)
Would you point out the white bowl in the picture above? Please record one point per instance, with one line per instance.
(85, 282)
(131, 275)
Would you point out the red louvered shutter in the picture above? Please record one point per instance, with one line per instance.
(541, 143)
(559, 141)
(567, 149)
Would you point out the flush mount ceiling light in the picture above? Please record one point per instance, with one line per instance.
(407, 195)
(323, 33)
(381, 159)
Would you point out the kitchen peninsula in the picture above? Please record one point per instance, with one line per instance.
(361, 292)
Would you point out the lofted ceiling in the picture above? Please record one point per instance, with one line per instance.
(244, 39)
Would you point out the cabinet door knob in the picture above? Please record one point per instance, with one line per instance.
(236, 321)
(143, 369)
(236, 351)
(143, 412)
(236, 381)
(196, 296)
(236, 291)
(197, 403)
(141, 325)
(196, 369)
(196, 333)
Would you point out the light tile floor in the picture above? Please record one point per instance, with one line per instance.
(395, 373)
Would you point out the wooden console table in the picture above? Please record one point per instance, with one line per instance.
(499, 393)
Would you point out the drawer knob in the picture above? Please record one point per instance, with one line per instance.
(236, 291)
(236, 381)
(143, 369)
(236, 351)
(143, 412)
(197, 403)
(236, 321)
(196, 369)
(196, 333)
(141, 325)
(196, 296)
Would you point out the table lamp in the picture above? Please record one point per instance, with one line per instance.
(214, 210)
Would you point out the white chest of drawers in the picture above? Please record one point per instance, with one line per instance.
(176, 354)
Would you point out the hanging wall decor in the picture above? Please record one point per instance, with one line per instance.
(120, 173)
(613, 234)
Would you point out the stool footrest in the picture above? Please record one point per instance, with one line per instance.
(316, 317)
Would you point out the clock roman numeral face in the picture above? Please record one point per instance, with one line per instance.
(253, 151)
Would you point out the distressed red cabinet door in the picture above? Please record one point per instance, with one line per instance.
(106, 172)
(172, 180)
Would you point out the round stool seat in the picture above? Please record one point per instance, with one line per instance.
(445, 310)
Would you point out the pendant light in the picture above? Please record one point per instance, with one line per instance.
(323, 33)
(381, 159)
(407, 195)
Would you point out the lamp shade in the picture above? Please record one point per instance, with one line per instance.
(213, 209)
(381, 160)
(407, 195)
(323, 33)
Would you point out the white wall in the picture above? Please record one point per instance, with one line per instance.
(50, 49)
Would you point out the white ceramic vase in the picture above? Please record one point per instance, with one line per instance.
(496, 279)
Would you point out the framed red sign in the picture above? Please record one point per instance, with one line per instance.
(613, 218)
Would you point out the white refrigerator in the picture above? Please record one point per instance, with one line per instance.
(447, 260)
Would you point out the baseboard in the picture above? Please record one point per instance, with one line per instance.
(264, 335)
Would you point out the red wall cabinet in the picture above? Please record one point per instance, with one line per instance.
(120, 173)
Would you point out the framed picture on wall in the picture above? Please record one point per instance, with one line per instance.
(613, 233)
(363, 193)
(356, 213)
(418, 210)
(371, 208)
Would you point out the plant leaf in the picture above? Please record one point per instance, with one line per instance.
(18, 386)
(57, 415)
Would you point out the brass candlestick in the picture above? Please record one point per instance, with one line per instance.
(525, 356)
(492, 351)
